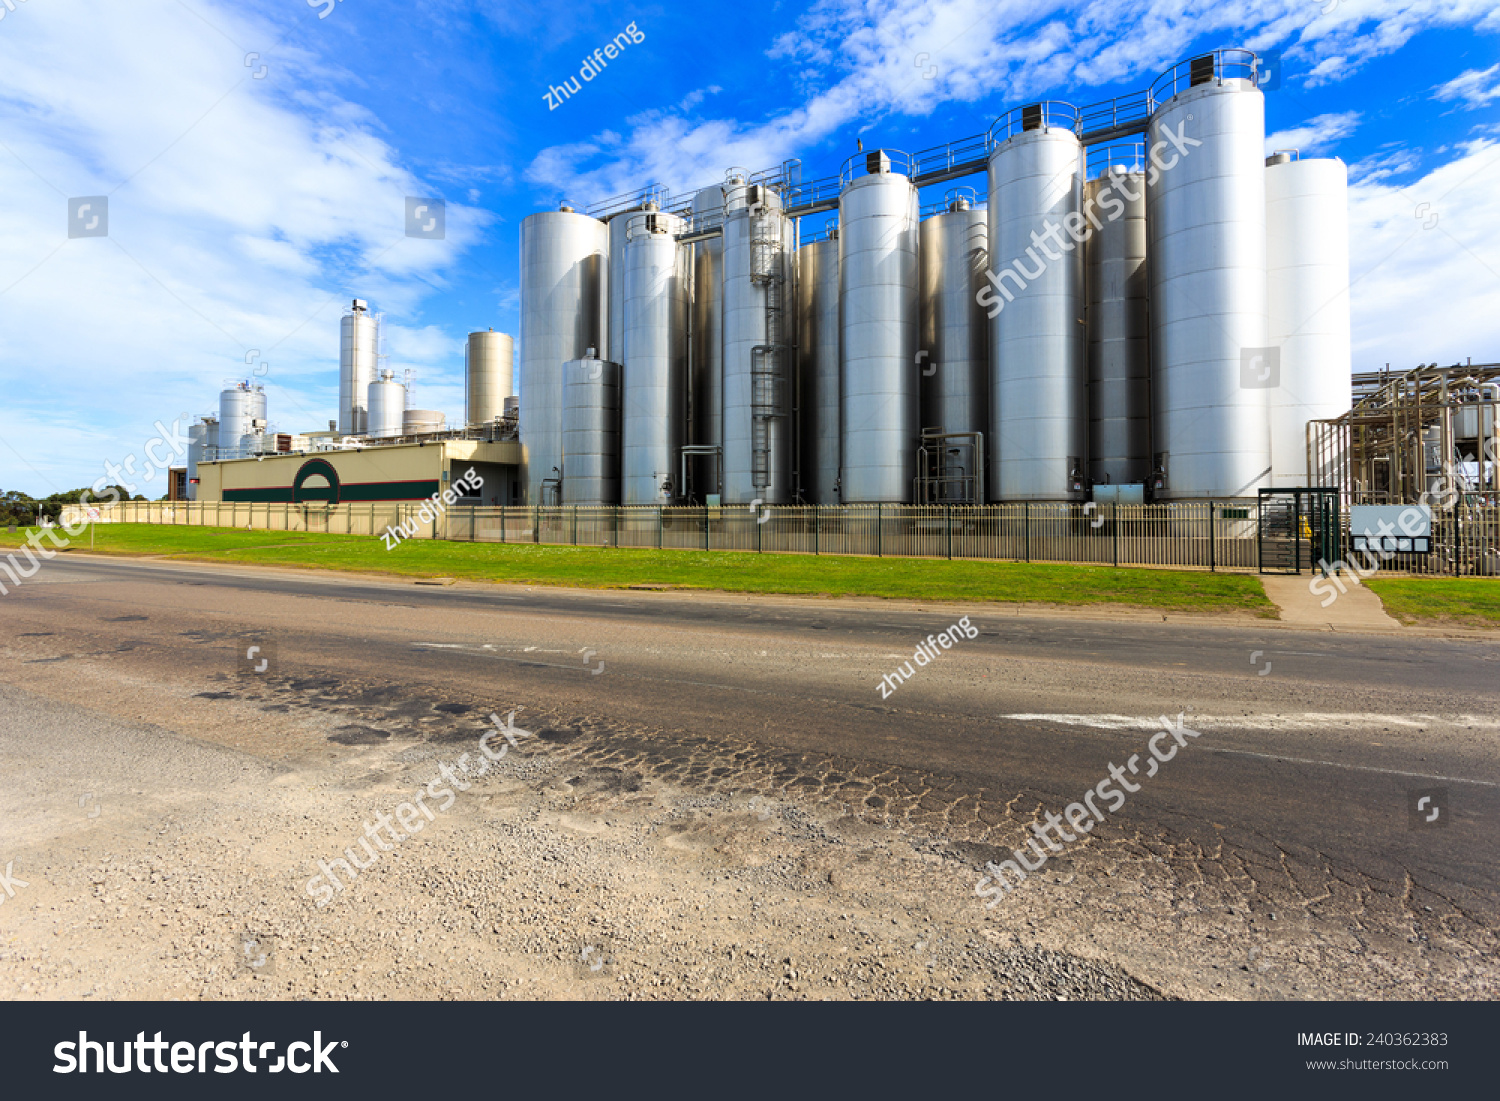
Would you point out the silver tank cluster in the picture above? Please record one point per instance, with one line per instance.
(1159, 318)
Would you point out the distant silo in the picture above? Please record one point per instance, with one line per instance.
(591, 432)
(654, 398)
(359, 342)
(387, 406)
(242, 419)
(489, 376)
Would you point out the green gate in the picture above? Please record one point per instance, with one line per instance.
(1296, 528)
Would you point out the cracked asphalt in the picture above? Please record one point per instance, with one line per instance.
(719, 800)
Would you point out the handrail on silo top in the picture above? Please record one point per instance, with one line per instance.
(1046, 115)
(1229, 63)
(875, 162)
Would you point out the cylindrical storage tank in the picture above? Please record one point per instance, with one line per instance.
(1307, 303)
(387, 406)
(1038, 391)
(612, 339)
(562, 259)
(759, 297)
(197, 441)
(953, 361)
(1206, 219)
(707, 359)
(489, 377)
(591, 432)
(654, 386)
(1119, 324)
(818, 359)
(242, 411)
(878, 320)
(359, 341)
(415, 422)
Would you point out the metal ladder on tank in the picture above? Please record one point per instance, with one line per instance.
(767, 361)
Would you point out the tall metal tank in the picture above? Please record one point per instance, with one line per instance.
(1037, 350)
(759, 300)
(818, 359)
(359, 343)
(612, 339)
(1119, 324)
(562, 262)
(387, 406)
(954, 355)
(1206, 217)
(654, 399)
(489, 376)
(1307, 302)
(242, 412)
(591, 432)
(707, 358)
(203, 441)
(878, 321)
(415, 422)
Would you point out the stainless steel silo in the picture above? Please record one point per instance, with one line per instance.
(1037, 342)
(707, 359)
(489, 376)
(242, 413)
(878, 320)
(416, 422)
(1206, 216)
(818, 359)
(562, 259)
(654, 388)
(612, 293)
(359, 342)
(759, 300)
(197, 452)
(1119, 325)
(591, 432)
(386, 406)
(1307, 303)
(953, 360)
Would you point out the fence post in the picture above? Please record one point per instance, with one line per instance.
(575, 525)
(1114, 533)
(759, 527)
(817, 531)
(879, 531)
(1211, 563)
(705, 525)
(661, 523)
(502, 523)
(948, 524)
(614, 524)
(1026, 527)
(536, 525)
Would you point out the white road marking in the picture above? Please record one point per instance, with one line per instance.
(1307, 720)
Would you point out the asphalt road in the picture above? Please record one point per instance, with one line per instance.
(1290, 812)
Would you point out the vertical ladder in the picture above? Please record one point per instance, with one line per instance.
(768, 398)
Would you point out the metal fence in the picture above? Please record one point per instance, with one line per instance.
(1216, 535)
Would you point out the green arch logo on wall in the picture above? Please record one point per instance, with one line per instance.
(313, 467)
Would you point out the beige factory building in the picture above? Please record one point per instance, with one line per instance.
(377, 472)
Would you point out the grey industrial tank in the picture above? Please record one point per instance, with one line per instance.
(954, 355)
(1119, 324)
(1211, 367)
(654, 398)
(1307, 288)
(1036, 306)
(359, 337)
(591, 432)
(612, 337)
(818, 360)
(416, 422)
(758, 367)
(707, 357)
(489, 376)
(562, 257)
(387, 406)
(878, 321)
(242, 413)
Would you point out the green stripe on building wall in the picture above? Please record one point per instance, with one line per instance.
(368, 491)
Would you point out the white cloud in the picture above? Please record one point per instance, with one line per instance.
(1314, 135)
(1476, 87)
(1423, 268)
(243, 213)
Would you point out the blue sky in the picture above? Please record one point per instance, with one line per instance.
(248, 204)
